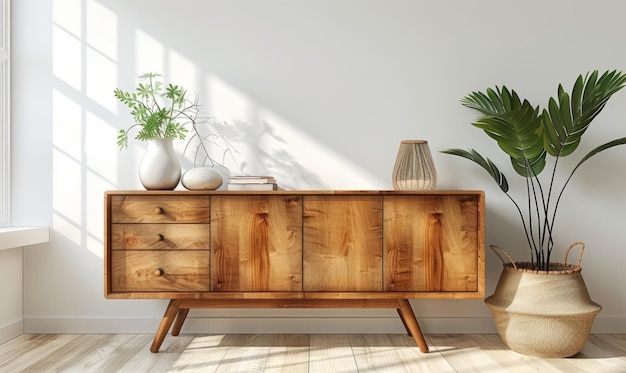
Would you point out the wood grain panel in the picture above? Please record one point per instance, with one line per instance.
(153, 271)
(256, 243)
(343, 243)
(160, 236)
(159, 209)
(431, 242)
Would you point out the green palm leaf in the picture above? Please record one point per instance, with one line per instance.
(515, 125)
(493, 102)
(564, 122)
(603, 147)
(483, 162)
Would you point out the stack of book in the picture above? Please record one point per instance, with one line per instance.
(252, 183)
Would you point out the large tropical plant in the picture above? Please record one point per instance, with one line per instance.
(528, 134)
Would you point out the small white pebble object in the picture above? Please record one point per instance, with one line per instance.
(202, 178)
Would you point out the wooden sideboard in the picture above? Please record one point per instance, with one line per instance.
(293, 249)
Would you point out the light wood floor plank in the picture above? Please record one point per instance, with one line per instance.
(112, 357)
(113, 353)
(38, 348)
(331, 353)
(246, 353)
(613, 344)
(416, 361)
(511, 362)
(592, 358)
(24, 344)
(464, 354)
(203, 354)
(288, 354)
(65, 356)
(146, 361)
(374, 353)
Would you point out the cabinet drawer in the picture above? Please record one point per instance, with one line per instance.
(160, 236)
(160, 271)
(159, 209)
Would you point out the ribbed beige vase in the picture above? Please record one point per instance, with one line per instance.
(545, 314)
(414, 168)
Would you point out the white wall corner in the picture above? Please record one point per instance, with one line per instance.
(12, 330)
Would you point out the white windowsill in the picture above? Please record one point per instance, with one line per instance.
(11, 237)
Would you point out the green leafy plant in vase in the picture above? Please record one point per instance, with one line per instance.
(161, 113)
(528, 135)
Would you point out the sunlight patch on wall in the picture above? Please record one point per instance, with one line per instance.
(67, 186)
(101, 30)
(94, 244)
(101, 156)
(66, 57)
(183, 72)
(68, 228)
(66, 125)
(84, 160)
(101, 55)
(227, 102)
(67, 14)
(100, 85)
(149, 54)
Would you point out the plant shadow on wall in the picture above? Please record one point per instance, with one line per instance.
(259, 149)
(541, 308)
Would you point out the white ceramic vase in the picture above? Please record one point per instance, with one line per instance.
(160, 168)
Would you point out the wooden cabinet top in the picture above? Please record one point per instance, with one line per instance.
(292, 192)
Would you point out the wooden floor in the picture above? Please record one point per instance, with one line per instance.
(604, 353)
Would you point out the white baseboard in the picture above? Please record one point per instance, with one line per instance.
(290, 325)
(261, 325)
(336, 325)
(12, 330)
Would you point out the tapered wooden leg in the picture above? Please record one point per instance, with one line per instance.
(404, 322)
(410, 322)
(166, 323)
(180, 320)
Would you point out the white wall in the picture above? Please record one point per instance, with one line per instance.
(12, 240)
(318, 93)
(11, 320)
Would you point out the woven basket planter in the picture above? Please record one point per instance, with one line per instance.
(540, 313)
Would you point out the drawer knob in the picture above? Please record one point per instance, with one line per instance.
(160, 237)
(158, 272)
(158, 211)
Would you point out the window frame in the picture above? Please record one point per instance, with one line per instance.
(5, 114)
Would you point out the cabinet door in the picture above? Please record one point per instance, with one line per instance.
(432, 242)
(256, 243)
(342, 243)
